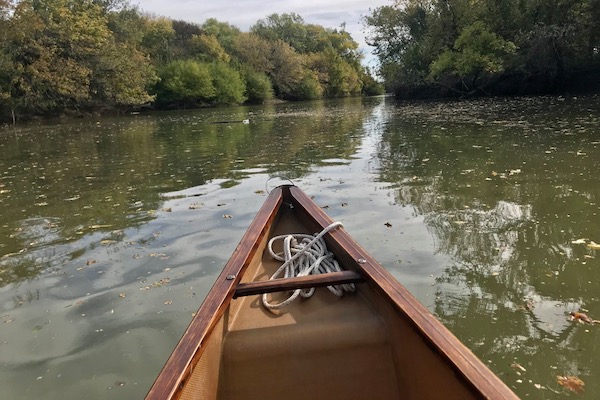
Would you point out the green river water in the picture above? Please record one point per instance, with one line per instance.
(112, 230)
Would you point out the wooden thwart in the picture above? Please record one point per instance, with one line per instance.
(298, 282)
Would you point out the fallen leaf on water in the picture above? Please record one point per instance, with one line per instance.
(122, 295)
(518, 366)
(259, 192)
(227, 216)
(99, 226)
(581, 317)
(168, 302)
(572, 383)
(159, 283)
(593, 245)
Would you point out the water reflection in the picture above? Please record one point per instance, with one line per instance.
(114, 230)
(505, 188)
(63, 183)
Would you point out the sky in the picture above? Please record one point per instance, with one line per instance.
(245, 13)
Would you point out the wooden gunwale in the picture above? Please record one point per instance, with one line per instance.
(464, 363)
(181, 363)
(299, 282)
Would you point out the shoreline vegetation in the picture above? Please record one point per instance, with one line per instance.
(85, 57)
(466, 48)
(70, 58)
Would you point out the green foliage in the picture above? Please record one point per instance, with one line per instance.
(228, 84)
(190, 83)
(306, 38)
(158, 34)
(456, 39)
(371, 87)
(85, 55)
(128, 25)
(258, 86)
(209, 48)
(62, 55)
(475, 51)
(309, 87)
(185, 83)
(224, 32)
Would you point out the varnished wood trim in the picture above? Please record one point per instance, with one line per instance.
(299, 282)
(465, 364)
(187, 352)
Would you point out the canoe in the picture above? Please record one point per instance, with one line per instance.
(377, 342)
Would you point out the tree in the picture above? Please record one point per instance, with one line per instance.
(229, 86)
(255, 51)
(289, 28)
(476, 51)
(185, 83)
(463, 42)
(224, 32)
(258, 86)
(209, 48)
(181, 45)
(287, 71)
(157, 38)
(64, 56)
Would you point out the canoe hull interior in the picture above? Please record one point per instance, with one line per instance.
(359, 346)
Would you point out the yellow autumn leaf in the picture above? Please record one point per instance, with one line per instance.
(593, 245)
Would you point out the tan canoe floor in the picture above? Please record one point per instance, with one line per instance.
(354, 347)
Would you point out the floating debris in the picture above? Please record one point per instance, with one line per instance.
(582, 317)
(572, 383)
(593, 245)
(159, 283)
(518, 366)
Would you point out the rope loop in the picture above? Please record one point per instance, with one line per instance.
(304, 255)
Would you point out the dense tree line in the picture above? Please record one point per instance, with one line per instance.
(465, 47)
(77, 56)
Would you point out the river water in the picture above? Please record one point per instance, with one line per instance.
(113, 230)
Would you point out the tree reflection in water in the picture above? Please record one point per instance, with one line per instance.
(505, 188)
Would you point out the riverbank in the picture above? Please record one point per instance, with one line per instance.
(513, 84)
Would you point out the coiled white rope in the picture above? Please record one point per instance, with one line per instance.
(304, 255)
